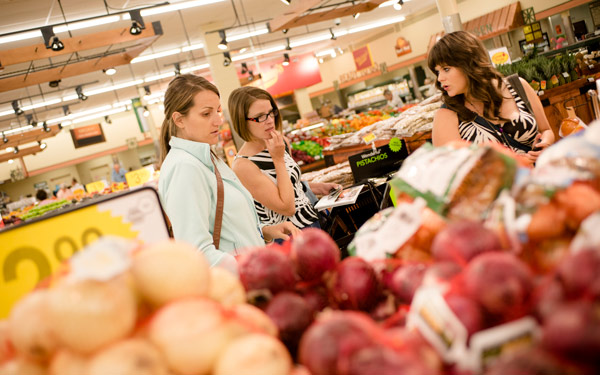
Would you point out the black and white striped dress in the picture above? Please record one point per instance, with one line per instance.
(523, 129)
(305, 212)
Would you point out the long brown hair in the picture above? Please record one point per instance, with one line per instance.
(463, 50)
(239, 103)
(180, 98)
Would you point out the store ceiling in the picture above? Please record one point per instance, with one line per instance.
(29, 76)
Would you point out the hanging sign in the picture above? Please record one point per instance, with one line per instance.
(33, 251)
(362, 58)
(402, 47)
(87, 135)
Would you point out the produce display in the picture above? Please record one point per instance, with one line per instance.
(40, 210)
(339, 173)
(309, 150)
(418, 118)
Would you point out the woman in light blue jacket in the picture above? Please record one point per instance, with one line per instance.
(188, 184)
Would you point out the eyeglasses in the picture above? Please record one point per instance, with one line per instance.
(262, 118)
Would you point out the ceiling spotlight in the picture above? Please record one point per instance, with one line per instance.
(16, 108)
(250, 75)
(285, 31)
(10, 161)
(29, 119)
(286, 2)
(227, 59)
(137, 22)
(42, 145)
(16, 150)
(356, 15)
(107, 120)
(46, 127)
(398, 5)
(320, 60)
(146, 112)
(287, 44)
(51, 40)
(80, 95)
(54, 83)
(57, 45)
(286, 59)
(147, 91)
(109, 71)
(332, 34)
(223, 43)
(4, 139)
(66, 110)
(177, 69)
(244, 68)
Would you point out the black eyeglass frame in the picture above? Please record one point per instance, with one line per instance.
(273, 111)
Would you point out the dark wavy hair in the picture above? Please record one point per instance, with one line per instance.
(463, 50)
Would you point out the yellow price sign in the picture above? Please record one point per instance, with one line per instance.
(138, 177)
(369, 138)
(96, 186)
(33, 251)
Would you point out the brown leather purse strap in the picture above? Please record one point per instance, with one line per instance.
(219, 213)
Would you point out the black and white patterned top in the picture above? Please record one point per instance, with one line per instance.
(305, 212)
(523, 129)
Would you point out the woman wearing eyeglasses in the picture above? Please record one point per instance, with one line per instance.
(264, 164)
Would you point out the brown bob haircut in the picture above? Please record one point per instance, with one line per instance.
(239, 103)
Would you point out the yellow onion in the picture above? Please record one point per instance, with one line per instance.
(226, 287)
(251, 319)
(133, 356)
(66, 362)
(254, 354)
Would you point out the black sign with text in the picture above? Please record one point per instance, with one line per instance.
(379, 161)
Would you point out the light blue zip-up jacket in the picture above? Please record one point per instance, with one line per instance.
(188, 190)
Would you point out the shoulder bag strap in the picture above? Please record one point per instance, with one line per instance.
(517, 85)
(220, 200)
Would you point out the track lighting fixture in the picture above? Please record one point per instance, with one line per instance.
(285, 31)
(227, 59)
(332, 34)
(286, 59)
(16, 108)
(147, 91)
(31, 121)
(287, 44)
(50, 40)
(244, 68)
(107, 120)
(356, 15)
(398, 5)
(177, 69)
(286, 2)
(223, 43)
(109, 71)
(43, 145)
(10, 161)
(137, 22)
(250, 76)
(54, 83)
(4, 139)
(146, 112)
(80, 95)
(46, 127)
(66, 110)
(16, 150)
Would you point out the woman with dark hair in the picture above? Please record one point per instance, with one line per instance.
(264, 164)
(193, 180)
(479, 104)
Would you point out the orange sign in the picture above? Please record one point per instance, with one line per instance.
(402, 47)
(87, 131)
(362, 58)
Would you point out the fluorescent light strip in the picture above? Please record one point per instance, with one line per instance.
(42, 104)
(20, 36)
(258, 53)
(70, 97)
(194, 68)
(313, 39)
(7, 112)
(79, 114)
(154, 95)
(192, 47)
(16, 130)
(92, 117)
(325, 53)
(156, 55)
(178, 6)
(86, 24)
(390, 3)
(374, 25)
(115, 87)
(159, 76)
(247, 35)
(120, 104)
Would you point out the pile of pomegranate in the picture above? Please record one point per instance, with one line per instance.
(160, 311)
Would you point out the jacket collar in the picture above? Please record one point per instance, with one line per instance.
(199, 150)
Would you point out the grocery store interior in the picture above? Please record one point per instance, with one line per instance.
(405, 221)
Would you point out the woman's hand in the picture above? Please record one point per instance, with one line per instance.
(281, 230)
(323, 188)
(539, 145)
(276, 145)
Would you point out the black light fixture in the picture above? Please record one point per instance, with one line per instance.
(107, 120)
(250, 76)
(146, 111)
(147, 91)
(43, 145)
(66, 110)
(16, 108)
(79, 91)
(177, 69)
(287, 44)
(51, 40)
(4, 139)
(286, 59)
(227, 59)
(137, 22)
(16, 150)
(46, 127)
(244, 68)
(31, 121)
(285, 31)
(109, 71)
(223, 43)
(398, 5)
(333, 37)
(54, 83)
(286, 2)
(356, 15)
